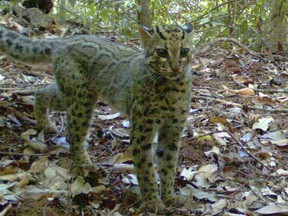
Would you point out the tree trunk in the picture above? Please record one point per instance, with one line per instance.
(278, 26)
(144, 13)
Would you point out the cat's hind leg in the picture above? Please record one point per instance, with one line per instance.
(79, 115)
(47, 99)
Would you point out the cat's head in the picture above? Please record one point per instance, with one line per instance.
(168, 49)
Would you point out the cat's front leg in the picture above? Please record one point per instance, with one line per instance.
(167, 157)
(142, 134)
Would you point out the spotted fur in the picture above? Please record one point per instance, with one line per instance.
(152, 87)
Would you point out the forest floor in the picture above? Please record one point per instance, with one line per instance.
(233, 159)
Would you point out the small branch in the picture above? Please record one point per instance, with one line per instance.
(19, 91)
(271, 90)
(121, 166)
(262, 90)
(201, 51)
(10, 89)
(246, 150)
(215, 8)
(40, 74)
(167, 11)
(203, 135)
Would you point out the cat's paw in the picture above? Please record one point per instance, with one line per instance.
(83, 164)
(156, 207)
(48, 128)
(175, 201)
(84, 170)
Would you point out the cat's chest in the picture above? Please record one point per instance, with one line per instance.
(169, 101)
(164, 101)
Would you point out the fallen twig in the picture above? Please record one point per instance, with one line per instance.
(235, 139)
(246, 150)
(18, 114)
(23, 154)
(271, 90)
(278, 110)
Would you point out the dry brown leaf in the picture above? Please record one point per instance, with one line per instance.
(273, 208)
(40, 165)
(121, 157)
(262, 123)
(245, 91)
(80, 186)
(229, 172)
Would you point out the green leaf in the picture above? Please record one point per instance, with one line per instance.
(72, 2)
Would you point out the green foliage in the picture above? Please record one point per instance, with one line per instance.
(242, 19)
(72, 2)
(245, 20)
(103, 15)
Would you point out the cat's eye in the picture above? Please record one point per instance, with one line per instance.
(162, 53)
(184, 52)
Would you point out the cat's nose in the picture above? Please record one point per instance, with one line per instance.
(176, 69)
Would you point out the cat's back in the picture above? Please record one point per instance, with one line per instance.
(93, 46)
(42, 51)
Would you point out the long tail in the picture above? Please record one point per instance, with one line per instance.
(26, 50)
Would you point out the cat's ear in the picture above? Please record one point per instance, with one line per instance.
(188, 28)
(145, 33)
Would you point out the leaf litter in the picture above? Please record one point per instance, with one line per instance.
(233, 159)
